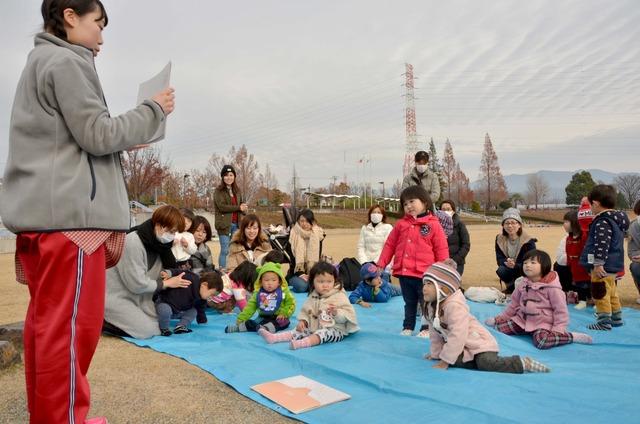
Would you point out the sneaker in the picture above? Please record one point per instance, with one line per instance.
(581, 305)
(165, 332)
(406, 332)
(181, 329)
(423, 334)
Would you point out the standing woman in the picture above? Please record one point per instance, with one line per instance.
(511, 246)
(64, 196)
(249, 243)
(458, 240)
(373, 235)
(229, 207)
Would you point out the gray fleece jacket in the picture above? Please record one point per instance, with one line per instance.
(63, 171)
(633, 248)
(130, 287)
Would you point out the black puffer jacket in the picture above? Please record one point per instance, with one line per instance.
(459, 242)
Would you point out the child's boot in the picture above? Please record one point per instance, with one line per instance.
(616, 319)
(603, 322)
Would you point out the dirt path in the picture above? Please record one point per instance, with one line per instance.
(134, 385)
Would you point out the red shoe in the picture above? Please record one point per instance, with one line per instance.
(96, 420)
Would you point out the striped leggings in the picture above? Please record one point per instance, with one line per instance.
(327, 335)
(542, 339)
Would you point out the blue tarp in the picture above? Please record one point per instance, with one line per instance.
(390, 382)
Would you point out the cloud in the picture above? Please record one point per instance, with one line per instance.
(319, 84)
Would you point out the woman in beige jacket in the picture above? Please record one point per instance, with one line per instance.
(249, 243)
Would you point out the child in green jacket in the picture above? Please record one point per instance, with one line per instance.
(271, 298)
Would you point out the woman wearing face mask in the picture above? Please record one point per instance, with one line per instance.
(131, 285)
(459, 243)
(373, 235)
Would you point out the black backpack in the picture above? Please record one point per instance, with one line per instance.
(349, 273)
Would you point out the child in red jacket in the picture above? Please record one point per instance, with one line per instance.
(576, 223)
(416, 242)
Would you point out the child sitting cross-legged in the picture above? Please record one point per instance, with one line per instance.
(457, 338)
(325, 317)
(372, 287)
(183, 302)
(538, 306)
(271, 298)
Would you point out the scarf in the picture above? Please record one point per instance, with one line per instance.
(153, 247)
(305, 246)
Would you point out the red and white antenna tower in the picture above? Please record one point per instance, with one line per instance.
(410, 121)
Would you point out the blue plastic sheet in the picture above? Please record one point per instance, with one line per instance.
(390, 382)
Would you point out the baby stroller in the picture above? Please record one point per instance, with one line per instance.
(280, 240)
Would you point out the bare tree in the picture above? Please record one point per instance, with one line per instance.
(396, 189)
(448, 169)
(629, 186)
(268, 181)
(537, 189)
(144, 171)
(492, 182)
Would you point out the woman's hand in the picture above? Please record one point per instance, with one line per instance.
(510, 263)
(244, 207)
(166, 100)
(176, 282)
(184, 242)
(302, 325)
(365, 304)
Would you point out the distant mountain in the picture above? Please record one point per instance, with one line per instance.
(557, 180)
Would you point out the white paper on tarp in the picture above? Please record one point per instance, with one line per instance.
(150, 88)
(300, 394)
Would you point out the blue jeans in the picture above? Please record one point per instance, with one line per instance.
(298, 285)
(225, 239)
(412, 295)
(635, 273)
(165, 314)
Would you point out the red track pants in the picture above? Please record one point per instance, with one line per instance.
(63, 324)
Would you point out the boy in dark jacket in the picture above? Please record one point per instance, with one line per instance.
(185, 303)
(372, 288)
(603, 255)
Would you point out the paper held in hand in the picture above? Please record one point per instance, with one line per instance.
(299, 394)
(150, 88)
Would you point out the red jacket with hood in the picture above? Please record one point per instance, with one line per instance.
(415, 244)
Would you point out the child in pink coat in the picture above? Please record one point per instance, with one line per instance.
(538, 306)
(416, 241)
(457, 338)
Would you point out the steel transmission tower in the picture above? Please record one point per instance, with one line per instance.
(410, 121)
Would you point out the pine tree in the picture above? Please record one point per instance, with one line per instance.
(580, 185)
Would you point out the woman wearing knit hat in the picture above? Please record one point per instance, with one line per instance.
(229, 205)
(457, 338)
(511, 246)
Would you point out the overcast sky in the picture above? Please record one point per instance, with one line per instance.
(319, 83)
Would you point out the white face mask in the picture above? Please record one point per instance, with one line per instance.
(376, 218)
(166, 238)
(421, 168)
(450, 213)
